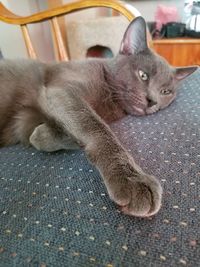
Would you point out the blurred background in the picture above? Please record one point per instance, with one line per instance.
(175, 29)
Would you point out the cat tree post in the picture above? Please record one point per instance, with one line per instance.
(105, 32)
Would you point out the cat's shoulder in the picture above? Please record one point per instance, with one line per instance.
(20, 63)
(88, 66)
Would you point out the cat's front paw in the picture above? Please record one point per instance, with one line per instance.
(137, 196)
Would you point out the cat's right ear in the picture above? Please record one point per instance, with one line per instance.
(135, 37)
(182, 72)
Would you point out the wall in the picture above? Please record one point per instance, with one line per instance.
(147, 8)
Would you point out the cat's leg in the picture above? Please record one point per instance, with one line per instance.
(45, 139)
(20, 126)
(138, 193)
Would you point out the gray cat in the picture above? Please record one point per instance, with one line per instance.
(69, 105)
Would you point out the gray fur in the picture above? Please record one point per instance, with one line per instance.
(67, 105)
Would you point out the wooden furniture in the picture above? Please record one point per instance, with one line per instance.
(52, 15)
(62, 24)
(179, 51)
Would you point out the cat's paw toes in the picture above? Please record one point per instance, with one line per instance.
(139, 198)
(40, 138)
(36, 138)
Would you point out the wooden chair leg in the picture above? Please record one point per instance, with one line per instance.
(60, 49)
(28, 43)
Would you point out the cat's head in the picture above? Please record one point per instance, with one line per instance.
(151, 83)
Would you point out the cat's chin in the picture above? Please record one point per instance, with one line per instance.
(137, 112)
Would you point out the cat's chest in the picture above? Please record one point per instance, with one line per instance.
(108, 111)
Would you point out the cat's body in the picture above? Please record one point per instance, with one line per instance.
(21, 82)
(67, 105)
(102, 83)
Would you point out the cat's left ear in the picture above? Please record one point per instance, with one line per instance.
(135, 37)
(182, 73)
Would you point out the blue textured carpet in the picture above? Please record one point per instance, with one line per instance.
(55, 210)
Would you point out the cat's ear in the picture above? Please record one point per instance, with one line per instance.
(182, 73)
(135, 37)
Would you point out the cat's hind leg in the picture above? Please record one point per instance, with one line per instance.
(19, 124)
(46, 139)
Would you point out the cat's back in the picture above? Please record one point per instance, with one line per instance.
(79, 70)
(20, 72)
(20, 81)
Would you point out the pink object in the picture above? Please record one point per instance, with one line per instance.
(165, 14)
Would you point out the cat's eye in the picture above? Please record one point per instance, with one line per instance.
(165, 92)
(143, 75)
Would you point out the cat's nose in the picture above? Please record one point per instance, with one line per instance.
(151, 102)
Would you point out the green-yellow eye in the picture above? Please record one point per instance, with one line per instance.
(165, 92)
(143, 75)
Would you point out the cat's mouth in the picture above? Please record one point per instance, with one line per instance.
(135, 111)
(141, 108)
(138, 111)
